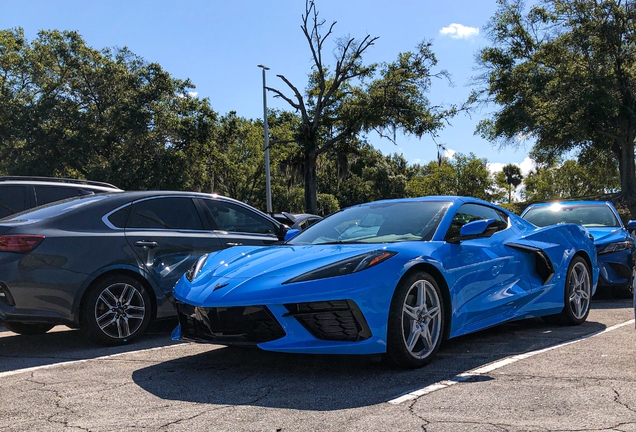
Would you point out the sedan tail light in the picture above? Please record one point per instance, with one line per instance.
(20, 243)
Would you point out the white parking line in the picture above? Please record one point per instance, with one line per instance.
(470, 375)
(53, 365)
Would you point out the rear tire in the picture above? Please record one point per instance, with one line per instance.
(27, 328)
(116, 310)
(416, 322)
(578, 293)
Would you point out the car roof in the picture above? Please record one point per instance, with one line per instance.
(122, 197)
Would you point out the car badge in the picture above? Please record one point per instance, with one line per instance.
(219, 286)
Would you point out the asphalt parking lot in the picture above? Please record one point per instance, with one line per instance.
(523, 376)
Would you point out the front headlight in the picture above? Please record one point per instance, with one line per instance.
(196, 267)
(345, 267)
(616, 247)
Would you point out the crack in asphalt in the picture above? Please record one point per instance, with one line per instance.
(166, 425)
(624, 404)
(268, 390)
(58, 404)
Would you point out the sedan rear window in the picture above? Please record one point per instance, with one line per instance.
(56, 208)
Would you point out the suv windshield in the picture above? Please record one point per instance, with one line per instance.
(592, 215)
(377, 223)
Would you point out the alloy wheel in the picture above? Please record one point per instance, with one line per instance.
(580, 290)
(120, 310)
(421, 319)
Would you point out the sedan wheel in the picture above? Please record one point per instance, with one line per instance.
(578, 293)
(116, 311)
(416, 322)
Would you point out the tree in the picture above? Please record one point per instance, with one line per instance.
(511, 177)
(464, 175)
(564, 74)
(350, 98)
(69, 110)
(569, 179)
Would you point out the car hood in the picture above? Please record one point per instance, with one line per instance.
(277, 261)
(253, 272)
(607, 235)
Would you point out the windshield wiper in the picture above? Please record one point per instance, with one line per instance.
(339, 242)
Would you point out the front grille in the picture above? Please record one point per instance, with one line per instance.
(621, 270)
(339, 320)
(241, 325)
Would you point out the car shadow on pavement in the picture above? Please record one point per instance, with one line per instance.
(244, 376)
(63, 344)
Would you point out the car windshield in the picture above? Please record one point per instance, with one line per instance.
(383, 222)
(593, 215)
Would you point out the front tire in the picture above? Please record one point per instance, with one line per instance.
(578, 293)
(117, 310)
(416, 322)
(27, 328)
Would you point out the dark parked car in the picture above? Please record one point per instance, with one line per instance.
(106, 263)
(615, 246)
(297, 221)
(19, 193)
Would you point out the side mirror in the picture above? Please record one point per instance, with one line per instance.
(631, 225)
(476, 229)
(291, 233)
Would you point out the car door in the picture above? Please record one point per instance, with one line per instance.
(237, 225)
(168, 234)
(490, 278)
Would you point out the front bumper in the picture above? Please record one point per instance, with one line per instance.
(615, 269)
(321, 327)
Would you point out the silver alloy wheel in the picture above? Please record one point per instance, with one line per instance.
(421, 319)
(120, 310)
(580, 290)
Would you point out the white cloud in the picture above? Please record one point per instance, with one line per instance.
(459, 31)
(526, 166)
(449, 153)
(193, 94)
(494, 167)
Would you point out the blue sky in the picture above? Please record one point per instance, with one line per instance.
(219, 43)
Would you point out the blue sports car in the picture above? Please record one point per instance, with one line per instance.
(394, 277)
(615, 246)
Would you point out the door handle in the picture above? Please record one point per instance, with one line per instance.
(146, 244)
(230, 244)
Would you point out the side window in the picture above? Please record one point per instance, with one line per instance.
(473, 212)
(13, 199)
(176, 213)
(311, 221)
(118, 218)
(48, 194)
(235, 218)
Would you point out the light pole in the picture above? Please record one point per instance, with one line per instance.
(268, 185)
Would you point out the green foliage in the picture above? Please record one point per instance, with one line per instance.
(568, 180)
(69, 110)
(564, 74)
(509, 178)
(327, 204)
(462, 175)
